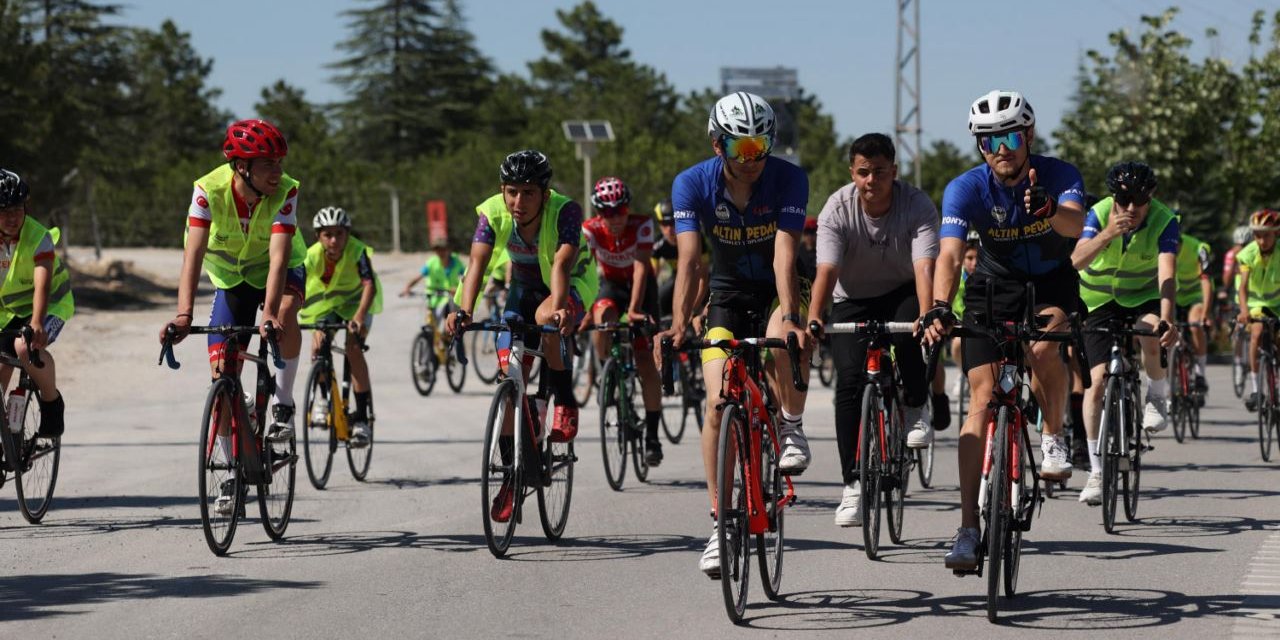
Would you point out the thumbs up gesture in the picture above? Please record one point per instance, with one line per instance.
(1037, 200)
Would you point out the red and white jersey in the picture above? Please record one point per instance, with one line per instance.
(617, 253)
(285, 220)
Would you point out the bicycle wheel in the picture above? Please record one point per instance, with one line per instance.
(1239, 365)
(1023, 503)
(732, 509)
(1180, 394)
(613, 435)
(497, 471)
(1133, 477)
(584, 369)
(37, 472)
(673, 410)
(692, 395)
(1109, 448)
(455, 373)
(924, 465)
(319, 440)
(358, 458)
(556, 489)
(899, 476)
(218, 468)
(773, 490)
(484, 355)
(1193, 423)
(275, 498)
(1265, 402)
(422, 361)
(826, 366)
(997, 513)
(869, 468)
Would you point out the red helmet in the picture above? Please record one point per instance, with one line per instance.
(249, 139)
(1265, 220)
(610, 192)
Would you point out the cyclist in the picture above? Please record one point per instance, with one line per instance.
(1127, 255)
(552, 277)
(342, 286)
(441, 271)
(665, 251)
(1259, 291)
(750, 207)
(1195, 294)
(622, 242)
(36, 291)
(1028, 210)
(1240, 236)
(877, 243)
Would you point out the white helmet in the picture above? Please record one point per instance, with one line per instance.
(741, 114)
(331, 217)
(1000, 111)
(1241, 235)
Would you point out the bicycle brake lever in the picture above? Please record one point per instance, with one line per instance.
(793, 350)
(665, 366)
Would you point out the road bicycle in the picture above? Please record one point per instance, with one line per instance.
(688, 385)
(621, 426)
(883, 459)
(27, 458)
(753, 492)
(1121, 438)
(1185, 397)
(1239, 356)
(520, 458)
(328, 422)
(233, 448)
(1268, 386)
(430, 351)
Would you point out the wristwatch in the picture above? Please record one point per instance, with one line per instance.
(793, 318)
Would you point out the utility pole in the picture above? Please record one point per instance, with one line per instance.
(908, 122)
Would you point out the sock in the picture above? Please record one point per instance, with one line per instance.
(651, 420)
(284, 381)
(795, 420)
(1077, 415)
(362, 404)
(1159, 388)
(1095, 458)
(1253, 382)
(562, 387)
(1200, 364)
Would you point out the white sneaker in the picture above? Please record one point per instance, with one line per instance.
(281, 427)
(921, 434)
(964, 554)
(795, 450)
(226, 499)
(849, 513)
(359, 434)
(709, 563)
(1155, 414)
(1057, 462)
(1091, 494)
(320, 412)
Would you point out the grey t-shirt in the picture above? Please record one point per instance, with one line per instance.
(874, 255)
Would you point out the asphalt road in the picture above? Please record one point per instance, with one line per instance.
(121, 553)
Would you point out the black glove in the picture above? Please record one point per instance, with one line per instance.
(1042, 207)
(940, 311)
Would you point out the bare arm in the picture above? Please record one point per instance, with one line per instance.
(947, 268)
(192, 260)
(640, 270)
(1069, 221)
(924, 268)
(784, 269)
(820, 294)
(480, 255)
(1089, 249)
(280, 250)
(689, 247)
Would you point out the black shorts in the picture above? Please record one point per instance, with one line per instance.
(742, 314)
(1059, 289)
(618, 295)
(1097, 347)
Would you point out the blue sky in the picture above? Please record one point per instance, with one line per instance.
(844, 50)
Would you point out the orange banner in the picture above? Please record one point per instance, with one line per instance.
(437, 220)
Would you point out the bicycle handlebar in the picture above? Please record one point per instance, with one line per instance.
(1009, 331)
(513, 326)
(791, 344)
(1127, 331)
(334, 327)
(273, 341)
(873, 327)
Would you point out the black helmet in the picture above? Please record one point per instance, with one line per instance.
(1131, 177)
(13, 189)
(527, 167)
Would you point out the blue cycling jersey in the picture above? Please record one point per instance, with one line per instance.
(1014, 243)
(741, 242)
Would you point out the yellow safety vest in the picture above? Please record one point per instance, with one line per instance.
(233, 256)
(1264, 277)
(1127, 275)
(342, 294)
(17, 293)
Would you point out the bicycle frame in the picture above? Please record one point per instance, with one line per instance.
(741, 388)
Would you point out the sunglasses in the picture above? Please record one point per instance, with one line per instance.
(1012, 141)
(747, 148)
(612, 212)
(1124, 199)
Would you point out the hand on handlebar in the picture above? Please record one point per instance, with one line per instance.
(936, 323)
(177, 330)
(454, 320)
(1168, 334)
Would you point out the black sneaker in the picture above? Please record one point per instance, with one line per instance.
(281, 429)
(1202, 385)
(652, 452)
(1251, 403)
(51, 420)
(941, 412)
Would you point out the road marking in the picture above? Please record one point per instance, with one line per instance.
(1258, 616)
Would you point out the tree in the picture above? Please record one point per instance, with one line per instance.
(939, 164)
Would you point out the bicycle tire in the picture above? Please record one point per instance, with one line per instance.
(731, 513)
(1265, 401)
(895, 495)
(422, 364)
(555, 493)
(638, 439)
(455, 373)
(1180, 396)
(484, 355)
(692, 396)
(924, 466)
(1110, 449)
(613, 437)
(359, 458)
(869, 469)
(770, 545)
(37, 470)
(826, 367)
(275, 498)
(318, 441)
(1239, 366)
(672, 409)
(997, 512)
(495, 472)
(584, 370)
(1193, 425)
(216, 466)
(1023, 504)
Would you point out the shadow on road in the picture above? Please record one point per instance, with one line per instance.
(1193, 526)
(525, 548)
(1074, 609)
(28, 597)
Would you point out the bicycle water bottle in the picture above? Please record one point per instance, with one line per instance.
(17, 407)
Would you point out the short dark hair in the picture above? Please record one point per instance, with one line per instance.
(872, 145)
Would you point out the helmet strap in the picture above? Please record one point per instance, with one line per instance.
(247, 177)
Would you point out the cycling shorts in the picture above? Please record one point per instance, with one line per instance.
(522, 306)
(1097, 347)
(617, 295)
(239, 305)
(52, 327)
(1060, 289)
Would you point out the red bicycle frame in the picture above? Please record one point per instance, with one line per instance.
(741, 388)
